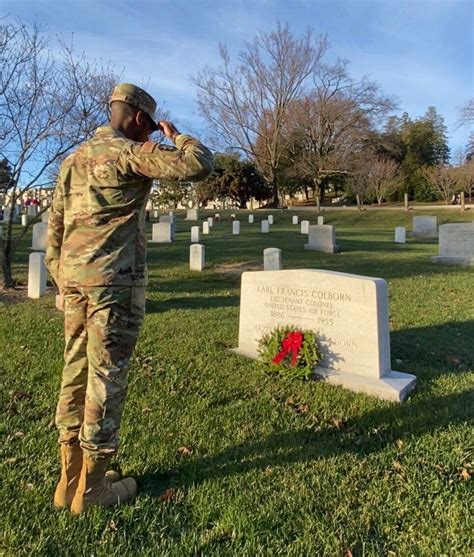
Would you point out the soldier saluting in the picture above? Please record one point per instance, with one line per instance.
(96, 255)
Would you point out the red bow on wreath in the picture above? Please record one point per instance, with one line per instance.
(290, 344)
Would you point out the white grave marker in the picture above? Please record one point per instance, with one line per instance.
(37, 275)
(45, 217)
(251, 219)
(210, 221)
(196, 257)
(425, 227)
(155, 214)
(236, 227)
(456, 244)
(192, 214)
(320, 220)
(162, 233)
(294, 219)
(40, 236)
(304, 227)
(400, 235)
(194, 234)
(169, 219)
(265, 228)
(31, 211)
(205, 227)
(270, 219)
(272, 259)
(24, 220)
(322, 237)
(348, 313)
(6, 214)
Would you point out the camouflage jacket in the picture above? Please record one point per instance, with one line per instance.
(96, 231)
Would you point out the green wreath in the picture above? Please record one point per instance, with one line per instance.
(290, 352)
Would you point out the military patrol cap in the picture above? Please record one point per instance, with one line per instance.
(133, 95)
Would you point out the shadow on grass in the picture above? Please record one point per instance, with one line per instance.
(191, 302)
(372, 432)
(441, 349)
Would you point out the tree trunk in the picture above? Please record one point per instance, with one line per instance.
(6, 252)
(6, 277)
(317, 192)
(359, 204)
(276, 199)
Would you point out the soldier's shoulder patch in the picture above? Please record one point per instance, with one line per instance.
(148, 147)
(164, 147)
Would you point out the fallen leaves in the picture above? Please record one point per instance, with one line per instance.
(465, 474)
(168, 495)
(297, 407)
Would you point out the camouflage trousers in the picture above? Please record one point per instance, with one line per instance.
(101, 329)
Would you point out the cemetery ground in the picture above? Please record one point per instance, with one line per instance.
(232, 461)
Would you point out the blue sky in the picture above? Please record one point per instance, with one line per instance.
(420, 51)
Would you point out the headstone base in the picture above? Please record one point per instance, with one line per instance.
(328, 250)
(424, 234)
(394, 386)
(463, 261)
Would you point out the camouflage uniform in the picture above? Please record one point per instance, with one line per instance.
(96, 254)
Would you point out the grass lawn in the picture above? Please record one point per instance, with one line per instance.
(231, 461)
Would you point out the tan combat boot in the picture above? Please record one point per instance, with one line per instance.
(71, 466)
(95, 488)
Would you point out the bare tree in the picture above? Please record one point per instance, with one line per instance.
(466, 114)
(331, 125)
(466, 119)
(247, 104)
(383, 178)
(50, 101)
(445, 181)
(359, 179)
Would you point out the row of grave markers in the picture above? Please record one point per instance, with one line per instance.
(456, 242)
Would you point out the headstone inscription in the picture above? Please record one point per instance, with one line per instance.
(348, 313)
(304, 227)
(322, 237)
(37, 275)
(425, 227)
(197, 257)
(272, 259)
(400, 235)
(456, 244)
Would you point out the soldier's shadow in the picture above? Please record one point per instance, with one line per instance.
(372, 432)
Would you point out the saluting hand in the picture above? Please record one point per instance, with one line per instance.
(169, 129)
